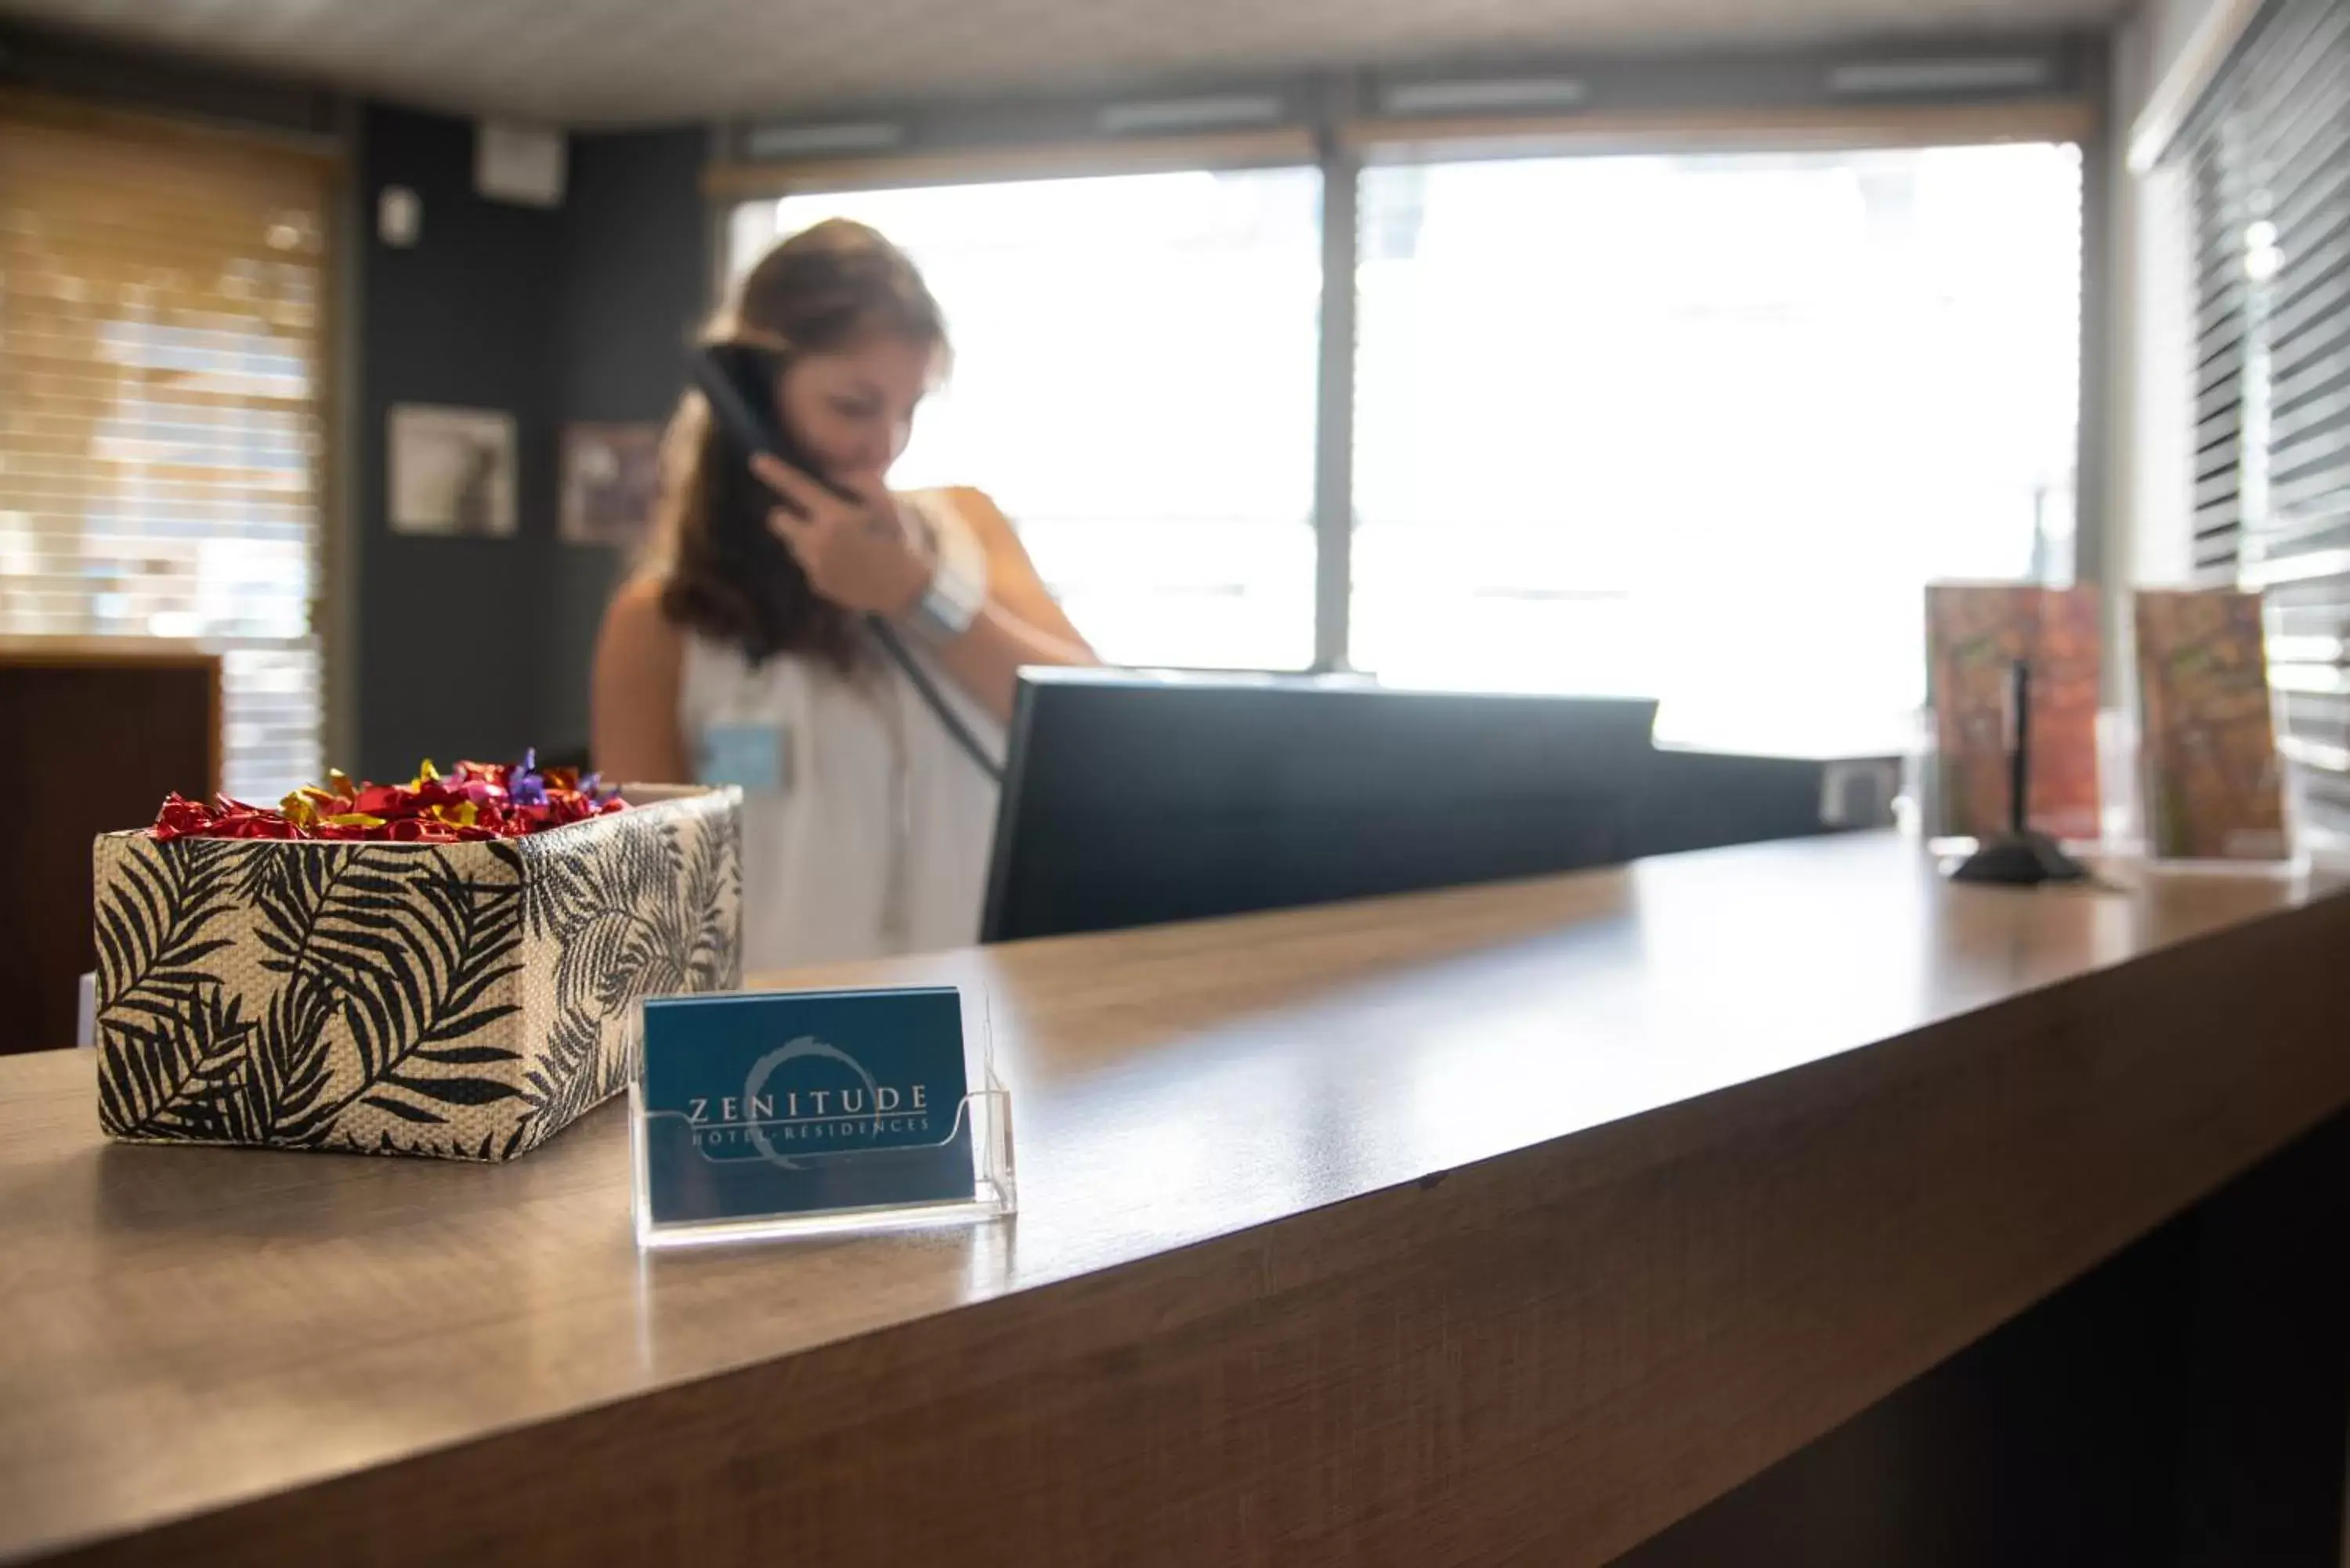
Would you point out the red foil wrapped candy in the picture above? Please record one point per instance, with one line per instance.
(480, 800)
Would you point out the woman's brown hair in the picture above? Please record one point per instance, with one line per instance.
(722, 571)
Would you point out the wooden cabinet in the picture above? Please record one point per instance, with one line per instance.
(93, 733)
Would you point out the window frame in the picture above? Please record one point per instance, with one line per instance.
(1656, 107)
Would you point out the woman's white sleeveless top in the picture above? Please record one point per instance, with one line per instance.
(867, 831)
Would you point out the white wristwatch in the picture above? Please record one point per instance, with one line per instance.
(957, 590)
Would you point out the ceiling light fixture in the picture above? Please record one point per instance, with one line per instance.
(1190, 113)
(1492, 93)
(1920, 77)
(844, 136)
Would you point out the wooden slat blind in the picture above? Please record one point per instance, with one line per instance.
(2269, 151)
(162, 293)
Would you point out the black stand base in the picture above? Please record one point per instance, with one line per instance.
(2020, 860)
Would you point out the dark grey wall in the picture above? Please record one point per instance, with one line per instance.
(635, 281)
(466, 316)
(61, 63)
(479, 646)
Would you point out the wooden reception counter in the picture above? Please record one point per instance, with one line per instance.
(1504, 1224)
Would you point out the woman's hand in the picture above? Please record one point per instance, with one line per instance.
(856, 553)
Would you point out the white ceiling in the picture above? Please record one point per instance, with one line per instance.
(589, 62)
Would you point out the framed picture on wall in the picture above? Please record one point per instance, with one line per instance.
(611, 479)
(452, 470)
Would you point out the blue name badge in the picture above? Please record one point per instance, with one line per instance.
(756, 758)
(792, 1104)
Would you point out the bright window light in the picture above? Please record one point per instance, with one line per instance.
(1134, 384)
(1701, 427)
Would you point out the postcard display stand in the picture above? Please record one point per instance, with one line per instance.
(774, 1116)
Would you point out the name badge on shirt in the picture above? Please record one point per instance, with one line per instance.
(754, 757)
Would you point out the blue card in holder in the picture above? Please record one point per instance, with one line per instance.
(754, 757)
(797, 1103)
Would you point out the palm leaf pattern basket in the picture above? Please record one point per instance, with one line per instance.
(459, 1001)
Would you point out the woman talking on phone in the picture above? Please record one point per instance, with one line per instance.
(844, 652)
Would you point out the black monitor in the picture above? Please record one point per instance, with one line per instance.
(1131, 798)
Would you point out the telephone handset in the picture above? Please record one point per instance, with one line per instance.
(737, 381)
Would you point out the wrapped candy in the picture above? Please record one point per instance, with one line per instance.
(480, 800)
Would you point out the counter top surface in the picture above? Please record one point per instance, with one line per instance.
(181, 1330)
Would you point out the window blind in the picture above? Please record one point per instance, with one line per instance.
(2269, 153)
(161, 321)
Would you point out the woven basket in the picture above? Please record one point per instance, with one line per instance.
(455, 1001)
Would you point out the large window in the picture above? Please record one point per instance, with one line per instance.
(1701, 427)
(1134, 382)
(160, 340)
(1692, 426)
